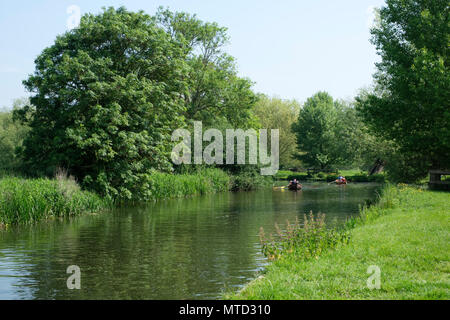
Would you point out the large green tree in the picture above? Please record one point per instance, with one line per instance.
(410, 105)
(106, 97)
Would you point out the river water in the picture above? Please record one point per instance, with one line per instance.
(193, 248)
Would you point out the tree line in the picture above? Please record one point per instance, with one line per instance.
(107, 95)
(403, 121)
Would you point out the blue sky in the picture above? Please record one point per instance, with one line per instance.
(290, 48)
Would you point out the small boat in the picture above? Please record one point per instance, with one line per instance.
(295, 187)
(339, 183)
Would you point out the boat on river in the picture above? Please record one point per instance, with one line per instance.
(295, 187)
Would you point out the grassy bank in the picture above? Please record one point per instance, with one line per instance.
(30, 200)
(406, 235)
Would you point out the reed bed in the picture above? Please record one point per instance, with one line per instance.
(164, 185)
(25, 201)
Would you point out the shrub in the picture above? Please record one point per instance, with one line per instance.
(377, 178)
(249, 181)
(358, 178)
(332, 177)
(303, 241)
(299, 176)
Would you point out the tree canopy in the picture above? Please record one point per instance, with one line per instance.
(214, 88)
(410, 103)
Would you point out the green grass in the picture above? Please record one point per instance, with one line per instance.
(283, 174)
(30, 200)
(351, 172)
(407, 235)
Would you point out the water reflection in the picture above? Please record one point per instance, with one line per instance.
(178, 249)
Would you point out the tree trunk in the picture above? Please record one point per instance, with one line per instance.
(377, 168)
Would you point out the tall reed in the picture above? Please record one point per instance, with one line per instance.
(164, 185)
(30, 200)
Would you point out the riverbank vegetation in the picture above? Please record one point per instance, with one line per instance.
(121, 100)
(25, 201)
(166, 186)
(117, 143)
(303, 241)
(405, 235)
(12, 134)
(276, 113)
(351, 176)
(28, 200)
(105, 103)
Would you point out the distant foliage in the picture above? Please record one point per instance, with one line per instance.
(321, 176)
(250, 180)
(331, 134)
(315, 130)
(12, 134)
(275, 113)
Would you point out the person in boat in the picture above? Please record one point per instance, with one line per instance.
(341, 179)
(294, 184)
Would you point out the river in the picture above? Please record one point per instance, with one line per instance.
(194, 248)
